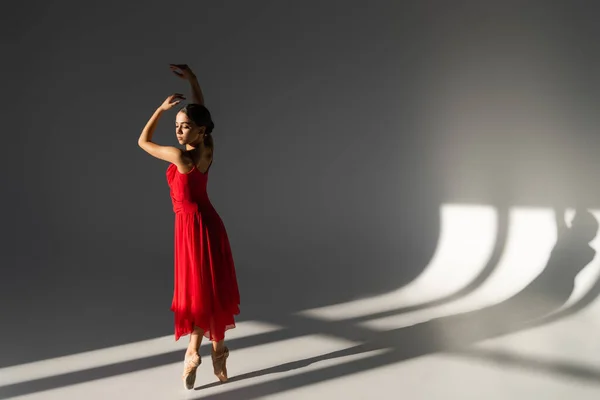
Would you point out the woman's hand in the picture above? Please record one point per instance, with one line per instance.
(182, 71)
(171, 101)
(185, 72)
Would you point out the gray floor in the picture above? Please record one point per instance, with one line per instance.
(551, 359)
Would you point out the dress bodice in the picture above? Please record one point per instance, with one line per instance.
(188, 191)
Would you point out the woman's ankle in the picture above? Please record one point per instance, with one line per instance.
(191, 352)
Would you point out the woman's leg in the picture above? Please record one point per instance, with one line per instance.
(218, 346)
(220, 352)
(192, 358)
(195, 341)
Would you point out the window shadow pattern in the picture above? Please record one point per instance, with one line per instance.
(537, 304)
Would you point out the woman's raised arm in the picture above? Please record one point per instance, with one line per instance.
(185, 72)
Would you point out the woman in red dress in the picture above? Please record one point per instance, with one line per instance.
(205, 296)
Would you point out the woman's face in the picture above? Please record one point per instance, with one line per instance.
(186, 131)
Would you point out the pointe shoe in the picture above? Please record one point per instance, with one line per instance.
(190, 365)
(220, 364)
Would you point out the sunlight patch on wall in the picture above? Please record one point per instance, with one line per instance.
(531, 237)
(466, 242)
(459, 257)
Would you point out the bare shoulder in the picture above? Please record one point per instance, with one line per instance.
(186, 162)
(170, 154)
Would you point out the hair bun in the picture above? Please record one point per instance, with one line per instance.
(209, 127)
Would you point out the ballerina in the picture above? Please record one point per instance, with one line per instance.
(205, 297)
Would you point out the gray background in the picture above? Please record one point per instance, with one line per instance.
(341, 127)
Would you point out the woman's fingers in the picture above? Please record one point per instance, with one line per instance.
(180, 67)
(181, 70)
(176, 98)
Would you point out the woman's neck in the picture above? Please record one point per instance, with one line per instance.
(194, 146)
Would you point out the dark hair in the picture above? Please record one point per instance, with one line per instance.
(200, 116)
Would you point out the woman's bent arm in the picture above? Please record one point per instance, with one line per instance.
(167, 153)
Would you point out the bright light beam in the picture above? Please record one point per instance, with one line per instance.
(466, 242)
(112, 355)
(531, 239)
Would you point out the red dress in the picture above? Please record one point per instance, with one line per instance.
(206, 291)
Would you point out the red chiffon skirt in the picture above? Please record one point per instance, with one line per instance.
(205, 289)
